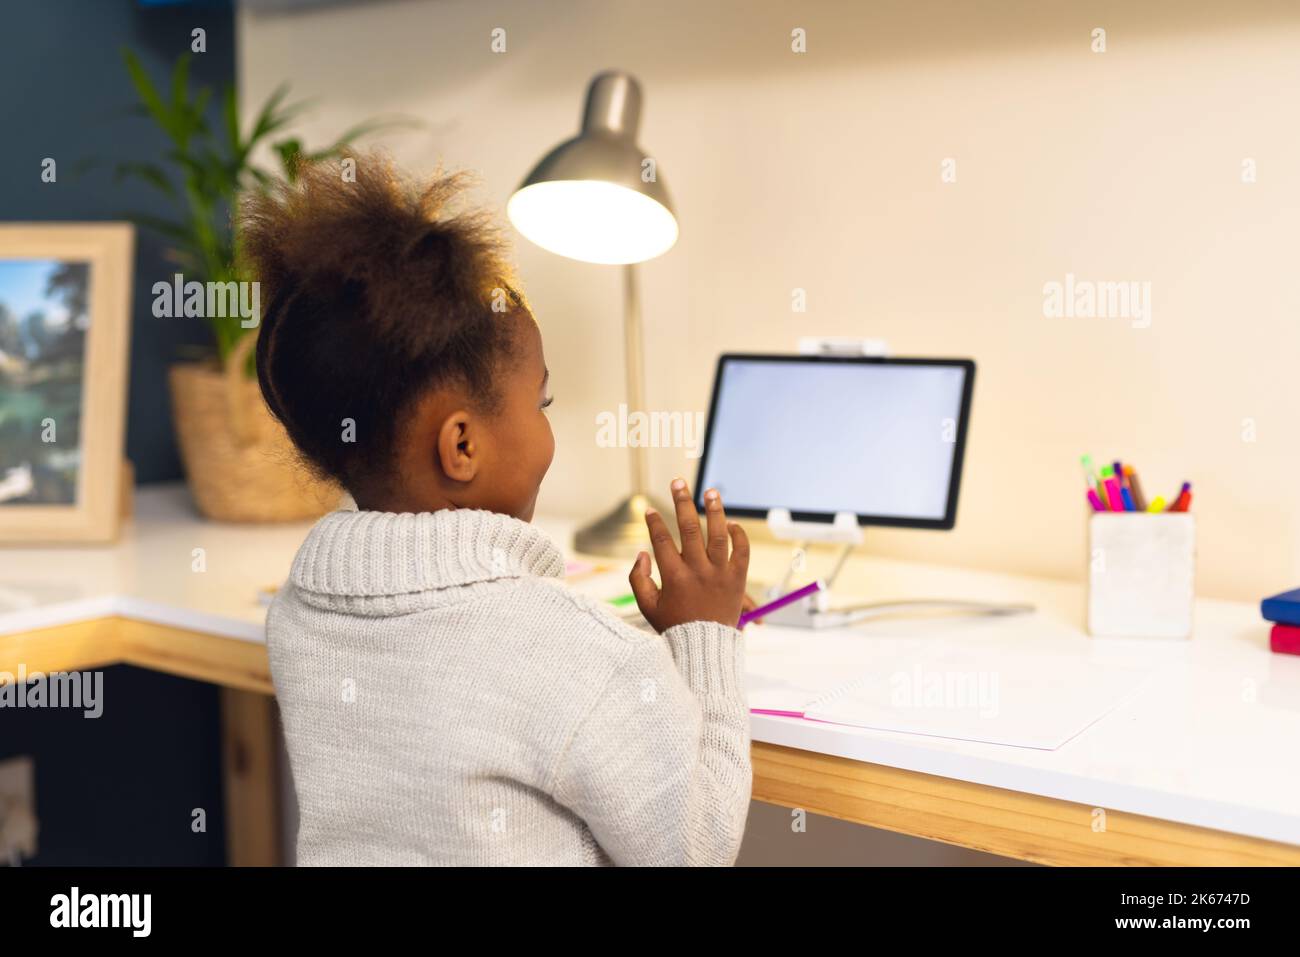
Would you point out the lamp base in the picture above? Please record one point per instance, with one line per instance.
(621, 533)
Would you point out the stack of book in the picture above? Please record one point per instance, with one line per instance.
(1284, 611)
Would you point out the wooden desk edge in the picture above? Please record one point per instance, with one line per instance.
(1000, 821)
(1005, 822)
(241, 669)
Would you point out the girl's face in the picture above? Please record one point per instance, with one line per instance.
(452, 456)
(522, 443)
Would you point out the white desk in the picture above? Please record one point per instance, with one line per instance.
(1213, 739)
(1215, 744)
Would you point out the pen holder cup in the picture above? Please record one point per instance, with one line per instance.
(1141, 574)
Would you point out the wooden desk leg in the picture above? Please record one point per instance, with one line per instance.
(251, 785)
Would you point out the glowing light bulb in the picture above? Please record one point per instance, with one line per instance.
(593, 221)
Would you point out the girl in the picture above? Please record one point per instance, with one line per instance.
(445, 698)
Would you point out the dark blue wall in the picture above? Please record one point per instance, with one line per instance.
(65, 95)
(119, 789)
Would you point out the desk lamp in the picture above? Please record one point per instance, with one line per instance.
(598, 198)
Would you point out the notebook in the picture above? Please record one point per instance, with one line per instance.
(1025, 682)
(1283, 609)
(605, 583)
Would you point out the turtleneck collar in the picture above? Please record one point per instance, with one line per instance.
(351, 555)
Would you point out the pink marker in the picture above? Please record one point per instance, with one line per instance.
(1095, 501)
(1113, 494)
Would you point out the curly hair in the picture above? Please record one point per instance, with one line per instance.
(376, 294)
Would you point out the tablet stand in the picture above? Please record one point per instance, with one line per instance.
(844, 529)
(814, 611)
(842, 346)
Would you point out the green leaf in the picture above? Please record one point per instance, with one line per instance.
(290, 152)
(148, 94)
(166, 227)
(230, 117)
(208, 177)
(200, 107)
(149, 172)
(273, 116)
(189, 113)
(222, 176)
(180, 83)
(195, 175)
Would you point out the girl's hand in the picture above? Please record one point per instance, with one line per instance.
(748, 605)
(701, 583)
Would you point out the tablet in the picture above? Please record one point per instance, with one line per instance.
(882, 438)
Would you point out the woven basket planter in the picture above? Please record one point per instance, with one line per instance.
(239, 462)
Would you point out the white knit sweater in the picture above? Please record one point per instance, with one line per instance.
(448, 700)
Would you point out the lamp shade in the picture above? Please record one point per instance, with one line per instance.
(598, 197)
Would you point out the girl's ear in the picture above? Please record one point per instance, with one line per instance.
(458, 447)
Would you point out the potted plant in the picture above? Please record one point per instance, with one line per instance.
(238, 459)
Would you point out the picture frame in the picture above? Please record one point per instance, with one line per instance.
(65, 321)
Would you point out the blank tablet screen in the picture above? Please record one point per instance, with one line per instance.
(882, 438)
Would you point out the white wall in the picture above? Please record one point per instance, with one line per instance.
(821, 171)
